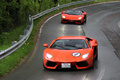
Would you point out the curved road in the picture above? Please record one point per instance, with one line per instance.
(108, 65)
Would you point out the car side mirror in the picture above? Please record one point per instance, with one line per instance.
(62, 12)
(45, 45)
(95, 45)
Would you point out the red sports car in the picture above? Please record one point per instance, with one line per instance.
(67, 52)
(73, 16)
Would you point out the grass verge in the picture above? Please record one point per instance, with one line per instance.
(15, 59)
(6, 38)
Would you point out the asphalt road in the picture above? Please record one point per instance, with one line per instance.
(106, 68)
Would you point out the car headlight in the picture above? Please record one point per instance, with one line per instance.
(76, 54)
(80, 18)
(48, 56)
(63, 16)
(85, 56)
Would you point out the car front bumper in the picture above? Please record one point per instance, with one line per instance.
(72, 21)
(73, 65)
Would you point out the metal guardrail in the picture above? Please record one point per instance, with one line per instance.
(27, 32)
(59, 7)
(17, 45)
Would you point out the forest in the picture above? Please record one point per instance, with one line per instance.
(14, 13)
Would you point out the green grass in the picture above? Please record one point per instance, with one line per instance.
(6, 38)
(10, 62)
(105, 0)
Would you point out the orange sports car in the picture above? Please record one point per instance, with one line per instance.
(73, 16)
(67, 52)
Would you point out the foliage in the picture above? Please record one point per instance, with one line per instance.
(14, 13)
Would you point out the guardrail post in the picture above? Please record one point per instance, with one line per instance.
(58, 5)
(1, 50)
(25, 32)
(21, 36)
(28, 27)
(29, 20)
(14, 42)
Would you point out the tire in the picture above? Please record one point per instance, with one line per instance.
(96, 52)
(96, 58)
(85, 19)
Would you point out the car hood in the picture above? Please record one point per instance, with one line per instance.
(66, 55)
(72, 17)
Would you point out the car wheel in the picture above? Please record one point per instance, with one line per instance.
(85, 19)
(96, 53)
(96, 58)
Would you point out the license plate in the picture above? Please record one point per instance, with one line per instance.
(66, 65)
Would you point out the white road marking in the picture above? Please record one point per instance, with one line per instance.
(80, 30)
(85, 77)
(119, 24)
(102, 11)
(101, 73)
(46, 22)
(51, 17)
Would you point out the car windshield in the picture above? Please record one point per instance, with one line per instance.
(73, 12)
(69, 44)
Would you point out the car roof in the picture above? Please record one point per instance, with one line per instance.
(72, 37)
